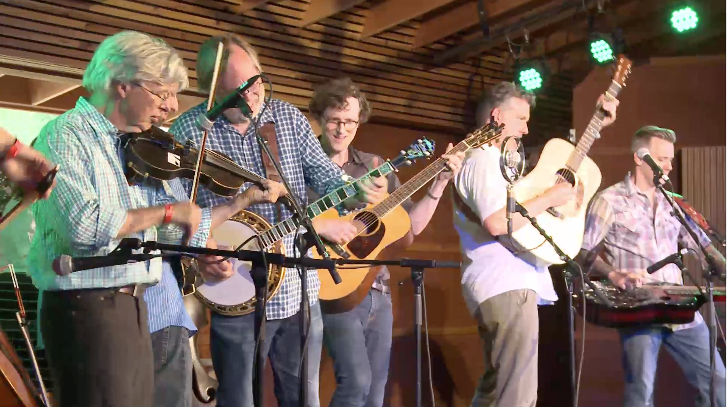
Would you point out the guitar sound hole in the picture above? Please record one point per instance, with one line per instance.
(367, 220)
(567, 175)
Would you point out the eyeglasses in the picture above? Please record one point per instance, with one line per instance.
(336, 123)
(162, 97)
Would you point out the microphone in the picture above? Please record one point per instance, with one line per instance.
(235, 99)
(65, 264)
(643, 154)
(672, 258)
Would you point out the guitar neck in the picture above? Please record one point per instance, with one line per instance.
(591, 133)
(332, 199)
(405, 191)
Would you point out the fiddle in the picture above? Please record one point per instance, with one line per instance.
(154, 153)
(697, 218)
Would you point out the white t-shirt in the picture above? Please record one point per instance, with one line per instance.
(488, 267)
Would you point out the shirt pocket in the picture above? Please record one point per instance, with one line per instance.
(628, 228)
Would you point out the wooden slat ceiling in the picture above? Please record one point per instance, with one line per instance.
(388, 46)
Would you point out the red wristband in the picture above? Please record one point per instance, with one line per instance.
(13, 151)
(168, 212)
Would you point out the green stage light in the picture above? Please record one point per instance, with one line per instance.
(684, 19)
(601, 50)
(530, 79)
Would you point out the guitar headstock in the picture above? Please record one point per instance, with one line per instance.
(623, 69)
(421, 148)
(484, 135)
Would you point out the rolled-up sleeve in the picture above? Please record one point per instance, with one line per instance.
(88, 224)
(173, 191)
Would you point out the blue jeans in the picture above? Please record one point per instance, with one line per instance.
(172, 367)
(232, 343)
(359, 341)
(689, 348)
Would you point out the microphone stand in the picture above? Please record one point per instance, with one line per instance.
(305, 221)
(417, 277)
(568, 275)
(711, 273)
(417, 274)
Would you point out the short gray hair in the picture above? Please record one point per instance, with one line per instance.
(131, 56)
(207, 56)
(643, 136)
(497, 96)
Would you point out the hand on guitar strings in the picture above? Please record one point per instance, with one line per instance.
(211, 267)
(338, 231)
(609, 107)
(25, 166)
(626, 280)
(560, 194)
(454, 163)
(373, 190)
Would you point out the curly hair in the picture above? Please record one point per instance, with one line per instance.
(333, 94)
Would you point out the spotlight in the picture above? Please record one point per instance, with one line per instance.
(684, 19)
(530, 74)
(601, 48)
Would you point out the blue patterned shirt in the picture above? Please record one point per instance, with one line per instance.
(88, 206)
(164, 300)
(303, 163)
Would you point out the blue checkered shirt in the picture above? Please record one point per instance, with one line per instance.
(88, 206)
(303, 163)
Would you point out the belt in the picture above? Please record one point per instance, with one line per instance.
(381, 285)
(136, 290)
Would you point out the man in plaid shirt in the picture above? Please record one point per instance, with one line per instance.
(635, 223)
(304, 164)
(94, 322)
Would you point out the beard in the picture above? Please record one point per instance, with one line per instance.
(235, 116)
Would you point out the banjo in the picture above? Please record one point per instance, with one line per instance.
(249, 231)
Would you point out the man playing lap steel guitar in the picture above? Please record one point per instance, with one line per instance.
(501, 289)
(634, 222)
(359, 340)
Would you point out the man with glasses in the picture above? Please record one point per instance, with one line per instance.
(359, 340)
(94, 322)
(305, 165)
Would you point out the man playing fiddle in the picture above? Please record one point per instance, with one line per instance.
(94, 322)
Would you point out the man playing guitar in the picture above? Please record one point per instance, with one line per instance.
(359, 340)
(634, 222)
(501, 289)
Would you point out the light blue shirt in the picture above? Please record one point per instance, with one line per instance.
(89, 204)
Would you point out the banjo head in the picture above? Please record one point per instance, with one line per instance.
(236, 295)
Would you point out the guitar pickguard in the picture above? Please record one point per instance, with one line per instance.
(365, 243)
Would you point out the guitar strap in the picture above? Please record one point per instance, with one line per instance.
(267, 131)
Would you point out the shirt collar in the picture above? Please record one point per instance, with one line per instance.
(629, 185)
(98, 122)
(353, 156)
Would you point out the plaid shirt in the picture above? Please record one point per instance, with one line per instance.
(303, 163)
(88, 206)
(635, 235)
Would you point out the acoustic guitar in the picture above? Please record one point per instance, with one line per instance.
(559, 162)
(381, 225)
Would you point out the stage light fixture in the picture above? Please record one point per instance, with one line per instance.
(601, 48)
(530, 74)
(684, 19)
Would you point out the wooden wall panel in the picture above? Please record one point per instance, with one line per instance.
(400, 80)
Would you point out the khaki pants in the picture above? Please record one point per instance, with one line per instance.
(508, 325)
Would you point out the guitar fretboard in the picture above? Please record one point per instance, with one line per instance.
(415, 183)
(332, 199)
(591, 133)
